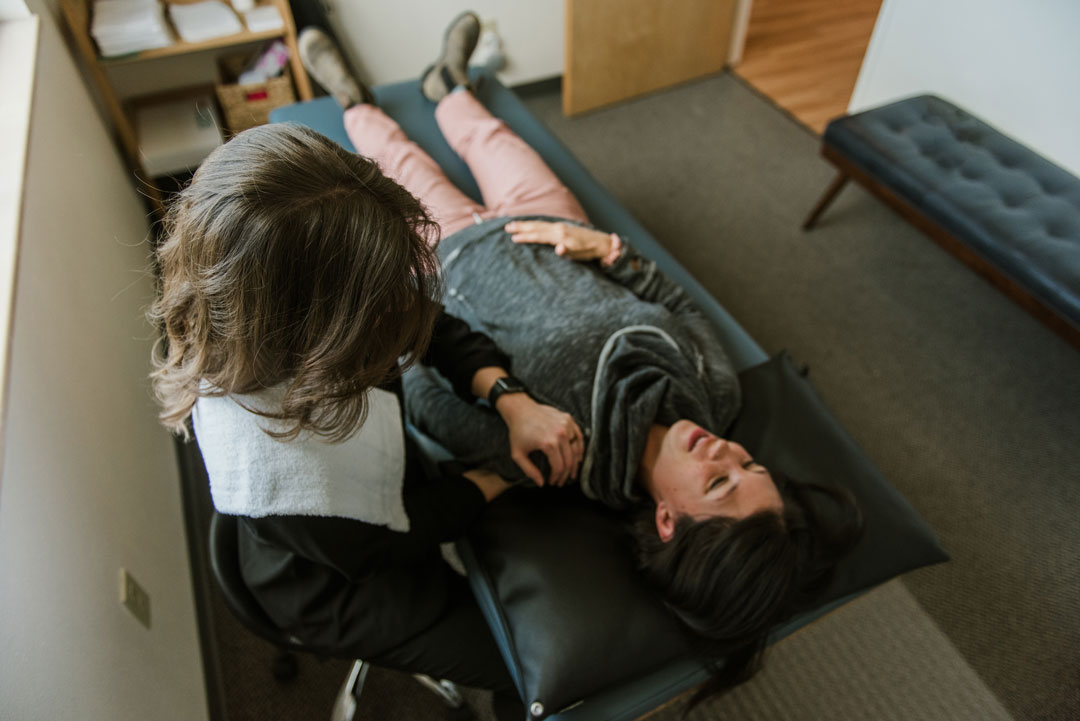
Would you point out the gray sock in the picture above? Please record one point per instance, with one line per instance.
(452, 66)
(324, 63)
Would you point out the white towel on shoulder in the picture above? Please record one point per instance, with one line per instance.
(252, 474)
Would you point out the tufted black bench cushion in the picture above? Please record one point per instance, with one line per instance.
(1000, 206)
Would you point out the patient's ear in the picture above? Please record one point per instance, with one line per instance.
(665, 522)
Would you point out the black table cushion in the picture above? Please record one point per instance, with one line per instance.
(1010, 205)
(579, 618)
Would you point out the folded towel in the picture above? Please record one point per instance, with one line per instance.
(253, 474)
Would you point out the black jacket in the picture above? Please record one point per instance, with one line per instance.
(341, 583)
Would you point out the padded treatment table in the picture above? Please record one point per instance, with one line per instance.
(997, 205)
(553, 572)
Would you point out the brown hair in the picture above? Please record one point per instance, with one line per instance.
(290, 260)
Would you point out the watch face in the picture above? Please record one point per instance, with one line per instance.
(510, 385)
(506, 384)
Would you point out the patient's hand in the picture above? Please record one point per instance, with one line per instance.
(573, 241)
(537, 427)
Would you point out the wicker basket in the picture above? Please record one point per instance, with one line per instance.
(245, 106)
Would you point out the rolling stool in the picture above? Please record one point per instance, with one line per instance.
(225, 565)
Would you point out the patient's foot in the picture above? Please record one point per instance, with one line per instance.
(452, 67)
(323, 61)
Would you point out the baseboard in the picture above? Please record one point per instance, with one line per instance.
(538, 87)
(195, 495)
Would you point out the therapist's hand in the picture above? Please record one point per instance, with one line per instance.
(572, 241)
(490, 484)
(537, 427)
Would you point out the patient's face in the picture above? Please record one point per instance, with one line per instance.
(700, 475)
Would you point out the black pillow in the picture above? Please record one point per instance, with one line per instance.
(556, 571)
(787, 426)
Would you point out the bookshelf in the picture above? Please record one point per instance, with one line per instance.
(77, 17)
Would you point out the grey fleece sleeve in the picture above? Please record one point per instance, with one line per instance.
(642, 277)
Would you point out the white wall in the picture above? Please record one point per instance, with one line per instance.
(13, 10)
(1014, 64)
(90, 481)
(393, 41)
(18, 52)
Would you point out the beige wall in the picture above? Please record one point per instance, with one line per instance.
(89, 482)
(393, 41)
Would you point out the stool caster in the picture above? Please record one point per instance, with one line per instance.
(285, 667)
(345, 703)
(446, 690)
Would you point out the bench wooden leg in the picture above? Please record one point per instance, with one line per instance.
(837, 185)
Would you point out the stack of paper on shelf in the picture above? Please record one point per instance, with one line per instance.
(121, 27)
(196, 22)
(263, 17)
(174, 137)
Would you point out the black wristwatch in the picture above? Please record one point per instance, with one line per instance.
(506, 384)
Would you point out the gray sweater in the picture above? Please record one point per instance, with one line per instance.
(618, 348)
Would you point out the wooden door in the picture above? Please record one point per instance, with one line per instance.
(618, 49)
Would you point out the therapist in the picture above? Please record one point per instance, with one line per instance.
(296, 283)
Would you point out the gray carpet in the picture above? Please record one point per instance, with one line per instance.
(967, 404)
(880, 657)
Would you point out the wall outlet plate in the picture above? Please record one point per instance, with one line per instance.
(134, 597)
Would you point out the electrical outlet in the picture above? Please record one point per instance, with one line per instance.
(134, 597)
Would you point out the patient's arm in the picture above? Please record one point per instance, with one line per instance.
(471, 362)
(576, 242)
(637, 273)
(644, 279)
(476, 436)
(535, 427)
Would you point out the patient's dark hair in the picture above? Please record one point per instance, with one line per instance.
(730, 581)
(290, 260)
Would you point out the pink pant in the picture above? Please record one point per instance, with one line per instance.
(512, 178)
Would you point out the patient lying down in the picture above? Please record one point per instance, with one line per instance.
(732, 549)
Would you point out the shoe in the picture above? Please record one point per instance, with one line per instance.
(323, 61)
(452, 67)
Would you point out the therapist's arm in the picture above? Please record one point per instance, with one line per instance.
(439, 511)
(535, 427)
(458, 353)
(472, 363)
